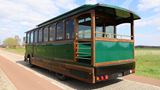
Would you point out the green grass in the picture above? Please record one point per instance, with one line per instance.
(148, 62)
(16, 50)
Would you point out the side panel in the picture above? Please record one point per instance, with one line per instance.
(29, 50)
(54, 51)
(113, 51)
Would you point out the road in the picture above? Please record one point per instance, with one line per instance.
(50, 81)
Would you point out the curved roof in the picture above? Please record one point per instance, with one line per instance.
(118, 12)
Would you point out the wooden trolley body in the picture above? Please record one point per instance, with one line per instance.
(76, 44)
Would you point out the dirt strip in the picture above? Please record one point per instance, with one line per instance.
(143, 79)
(23, 79)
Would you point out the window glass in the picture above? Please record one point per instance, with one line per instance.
(40, 35)
(60, 31)
(45, 34)
(31, 37)
(27, 37)
(35, 36)
(70, 29)
(109, 31)
(52, 32)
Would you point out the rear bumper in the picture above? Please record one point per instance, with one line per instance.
(113, 71)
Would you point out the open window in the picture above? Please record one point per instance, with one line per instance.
(84, 26)
(108, 27)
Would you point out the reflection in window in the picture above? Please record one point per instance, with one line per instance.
(45, 34)
(31, 37)
(52, 32)
(35, 36)
(60, 31)
(84, 28)
(28, 37)
(40, 35)
(69, 29)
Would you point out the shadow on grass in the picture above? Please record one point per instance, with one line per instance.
(73, 83)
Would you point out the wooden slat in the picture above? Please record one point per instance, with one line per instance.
(113, 40)
(93, 36)
(114, 63)
(75, 38)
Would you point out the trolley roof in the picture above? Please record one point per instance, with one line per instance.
(117, 12)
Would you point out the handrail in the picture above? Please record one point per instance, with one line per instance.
(81, 33)
(107, 35)
(113, 34)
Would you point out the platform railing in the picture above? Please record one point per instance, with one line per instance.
(109, 35)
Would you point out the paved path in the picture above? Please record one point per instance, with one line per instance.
(5, 83)
(40, 74)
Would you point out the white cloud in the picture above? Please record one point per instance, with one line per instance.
(18, 16)
(90, 1)
(150, 21)
(148, 4)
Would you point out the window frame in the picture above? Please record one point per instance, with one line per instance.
(72, 36)
(45, 28)
(63, 30)
(40, 29)
(55, 30)
(36, 37)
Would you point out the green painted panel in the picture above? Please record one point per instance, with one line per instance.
(51, 51)
(29, 49)
(113, 51)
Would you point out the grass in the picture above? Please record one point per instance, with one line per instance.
(20, 51)
(148, 62)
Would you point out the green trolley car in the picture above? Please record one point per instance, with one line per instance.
(85, 43)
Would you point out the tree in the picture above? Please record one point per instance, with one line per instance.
(10, 43)
(18, 39)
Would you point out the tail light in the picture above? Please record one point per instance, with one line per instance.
(98, 78)
(103, 77)
(132, 71)
(106, 77)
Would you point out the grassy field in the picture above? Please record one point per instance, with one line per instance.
(148, 62)
(17, 50)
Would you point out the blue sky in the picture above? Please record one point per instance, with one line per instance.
(18, 16)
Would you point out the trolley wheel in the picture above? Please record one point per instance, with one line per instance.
(61, 77)
(30, 62)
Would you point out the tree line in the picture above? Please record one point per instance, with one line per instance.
(12, 42)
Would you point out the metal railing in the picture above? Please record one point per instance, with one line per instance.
(104, 35)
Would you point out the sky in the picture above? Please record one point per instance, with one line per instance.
(19, 16)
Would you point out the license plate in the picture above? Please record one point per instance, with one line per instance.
(119, 74)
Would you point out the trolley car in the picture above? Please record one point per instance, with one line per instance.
(85, 43)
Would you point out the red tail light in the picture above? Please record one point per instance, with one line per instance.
(102, 77)
(106, 77)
